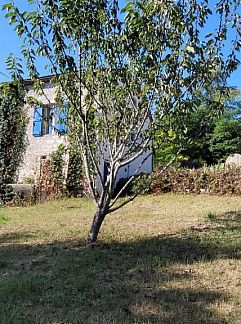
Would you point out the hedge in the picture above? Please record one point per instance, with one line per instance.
(213, 180)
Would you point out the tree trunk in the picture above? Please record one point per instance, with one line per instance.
(95, 227)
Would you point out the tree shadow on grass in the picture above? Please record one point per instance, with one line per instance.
(15, 236)
(144, 281)
(230, 220)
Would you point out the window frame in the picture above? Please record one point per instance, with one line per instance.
(41, 114)
(50, 119)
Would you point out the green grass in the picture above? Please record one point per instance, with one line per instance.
(2, 219)
(161, 259)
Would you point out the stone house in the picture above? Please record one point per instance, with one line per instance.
(41, 131)
(44, 137)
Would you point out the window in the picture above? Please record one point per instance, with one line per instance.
(60, 116)
(42, 121)
(47, 121)
(50, 120)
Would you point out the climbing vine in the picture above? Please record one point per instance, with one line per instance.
(12, 134)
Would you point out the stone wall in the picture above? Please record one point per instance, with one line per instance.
(38, 146)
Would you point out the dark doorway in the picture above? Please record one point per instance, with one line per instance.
(106, 170)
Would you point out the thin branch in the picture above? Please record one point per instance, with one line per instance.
(130, 179)
(135, 156)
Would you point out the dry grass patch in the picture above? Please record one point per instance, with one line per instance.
(161, 259)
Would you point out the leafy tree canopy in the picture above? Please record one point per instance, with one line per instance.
(212, 133)
(226, 136)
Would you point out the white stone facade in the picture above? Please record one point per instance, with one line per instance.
(38, 147)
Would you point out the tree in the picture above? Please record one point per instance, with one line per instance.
(212, 132)
(226, 136)
(123, 71)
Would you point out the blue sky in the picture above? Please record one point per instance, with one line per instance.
(10, 43)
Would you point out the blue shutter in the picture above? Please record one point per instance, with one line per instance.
(37, 121)
(61, 119)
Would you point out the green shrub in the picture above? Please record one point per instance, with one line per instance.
(142, 184)
(74, 181)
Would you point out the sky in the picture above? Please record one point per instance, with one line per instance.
(11, 43)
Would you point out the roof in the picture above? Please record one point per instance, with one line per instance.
(45, 78)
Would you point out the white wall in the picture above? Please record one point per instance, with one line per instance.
(38, 145)
(130, 169)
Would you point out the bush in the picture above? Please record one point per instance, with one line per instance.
(61, 175)
(75, 177)
(51, 182)
(213, 180)
(140, 184)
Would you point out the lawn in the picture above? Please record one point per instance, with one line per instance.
(161, 259)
